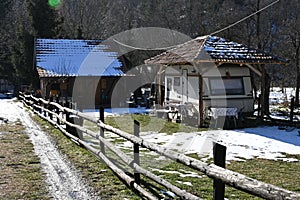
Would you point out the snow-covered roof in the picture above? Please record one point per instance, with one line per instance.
(69, 57)
(214, 49)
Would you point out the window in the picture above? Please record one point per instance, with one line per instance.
(224, 86)
(177, 81)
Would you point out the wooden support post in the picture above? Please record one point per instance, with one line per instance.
(292, 109)
(159, 102)
(102, 147)
(264, 92)
(200, 116)
(219, 152)
(136, 151)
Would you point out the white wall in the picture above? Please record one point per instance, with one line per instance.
(174, 74)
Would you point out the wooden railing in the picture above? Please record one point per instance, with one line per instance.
(58, 115)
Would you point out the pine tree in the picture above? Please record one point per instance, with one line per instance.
(6, 68)
(43, 18)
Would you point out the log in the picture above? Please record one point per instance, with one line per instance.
(128, 180)
(129, 161)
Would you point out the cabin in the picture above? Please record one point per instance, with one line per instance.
(209, 77)
(84, 71)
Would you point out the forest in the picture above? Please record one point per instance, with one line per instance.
(275, 30)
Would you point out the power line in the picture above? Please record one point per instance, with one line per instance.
(140, 48)
(243, 19)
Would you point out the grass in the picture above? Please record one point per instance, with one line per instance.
(279, 173)
(148, 123)
(20, 169)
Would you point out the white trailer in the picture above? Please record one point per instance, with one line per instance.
(226, 86)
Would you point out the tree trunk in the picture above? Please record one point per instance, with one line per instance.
(298, 75)
(267, 94)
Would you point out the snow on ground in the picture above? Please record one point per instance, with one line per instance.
(63, 180)
(116, 111)
(262, 142)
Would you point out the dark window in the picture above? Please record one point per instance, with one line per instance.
(177, 81)
(225, 86)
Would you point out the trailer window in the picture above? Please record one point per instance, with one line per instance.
(177, 81)
(224, 86)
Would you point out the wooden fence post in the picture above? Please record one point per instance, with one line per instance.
(40, 104)
(68, 119)
(292, 109)
(219, 152)
(102, 147)
(45, 107)
(57, 111)
(136, 151)
(50, 107)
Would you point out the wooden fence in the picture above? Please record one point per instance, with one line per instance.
(58, 115)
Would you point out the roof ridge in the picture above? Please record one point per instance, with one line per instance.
(177, 47)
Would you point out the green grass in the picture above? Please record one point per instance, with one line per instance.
(21, 176)
(279, 173)
(148, 123)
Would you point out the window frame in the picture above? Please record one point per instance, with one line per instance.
(227, 91)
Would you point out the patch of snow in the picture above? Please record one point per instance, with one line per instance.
(185, 183)
(116, 111)
(183, 175)
(261, 142)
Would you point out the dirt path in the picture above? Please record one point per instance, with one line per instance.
(64, 182)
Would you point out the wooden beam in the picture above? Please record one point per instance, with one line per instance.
(200, 115)
(256, 71)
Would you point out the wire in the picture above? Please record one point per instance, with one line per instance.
(139, 48)
(223, 29)
(243, 19)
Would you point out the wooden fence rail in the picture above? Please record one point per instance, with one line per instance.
(48, 110)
